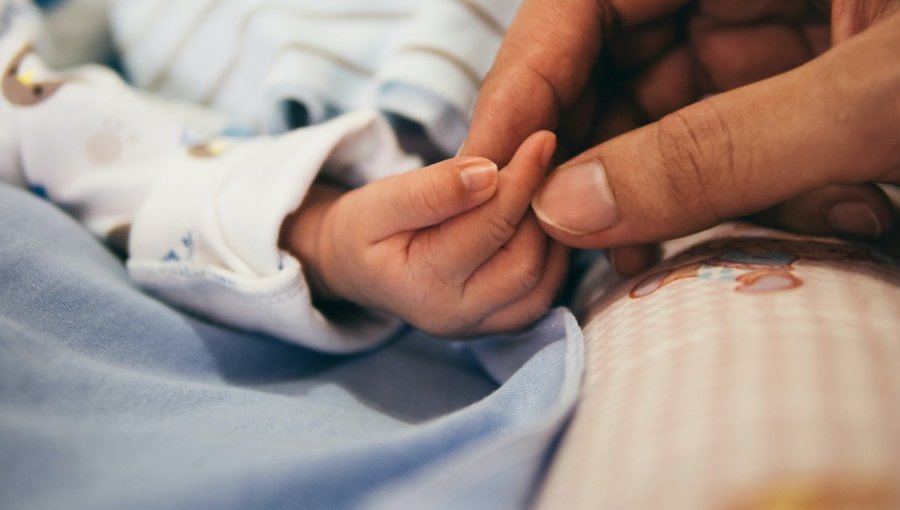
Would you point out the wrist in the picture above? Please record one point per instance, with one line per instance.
(303, 236)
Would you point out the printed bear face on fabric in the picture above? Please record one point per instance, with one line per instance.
(758, 265)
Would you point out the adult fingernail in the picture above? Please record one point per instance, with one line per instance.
(478, 174)
(577, 199)
(855, 218)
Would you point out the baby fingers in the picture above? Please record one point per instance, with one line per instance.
(533, 305)
(511, 273)
(518, 284)
(524, 274)
(465, 242)
(427, 196)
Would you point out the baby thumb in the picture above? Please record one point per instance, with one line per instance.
(428, 196)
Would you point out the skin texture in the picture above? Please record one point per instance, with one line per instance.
(802, 120)
(450, 260)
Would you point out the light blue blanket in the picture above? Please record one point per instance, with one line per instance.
(110, 399)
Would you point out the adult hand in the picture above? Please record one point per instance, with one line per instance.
(817, 134)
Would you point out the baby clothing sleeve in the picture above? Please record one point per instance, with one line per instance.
(206, 236)
(202, 212)
(421, 60)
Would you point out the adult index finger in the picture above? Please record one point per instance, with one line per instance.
(544, 62)
(542, 66)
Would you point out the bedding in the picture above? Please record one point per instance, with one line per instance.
(111, 399)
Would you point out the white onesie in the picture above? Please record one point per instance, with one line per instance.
(204, 211)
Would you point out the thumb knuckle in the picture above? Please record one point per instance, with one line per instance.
(501, 228)
(427, 198)
(697, 155)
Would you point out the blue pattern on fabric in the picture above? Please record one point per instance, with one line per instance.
(38, 190)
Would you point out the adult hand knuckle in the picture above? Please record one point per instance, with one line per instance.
(697, 153)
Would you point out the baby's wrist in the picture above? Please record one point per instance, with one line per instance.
(302, 236)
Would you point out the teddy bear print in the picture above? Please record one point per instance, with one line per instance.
(757, 265)
(106, 145)
(20, 87)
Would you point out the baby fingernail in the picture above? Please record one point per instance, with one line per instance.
(549, 149)
(478, 174)
(577, 199)
(855, 218)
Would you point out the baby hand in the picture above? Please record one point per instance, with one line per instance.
(452, 248)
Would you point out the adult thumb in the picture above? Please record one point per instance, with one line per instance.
(831, 121)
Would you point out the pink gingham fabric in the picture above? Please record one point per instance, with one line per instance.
(751, 370)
